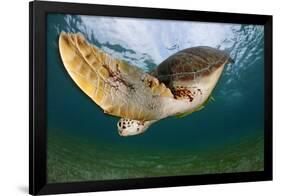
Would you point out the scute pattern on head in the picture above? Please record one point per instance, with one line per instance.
(129, 127)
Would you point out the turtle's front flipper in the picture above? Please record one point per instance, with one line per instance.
(128, 127)
(119, 88)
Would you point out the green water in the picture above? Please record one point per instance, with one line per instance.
(226, 136)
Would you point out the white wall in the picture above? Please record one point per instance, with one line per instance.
(14, 96)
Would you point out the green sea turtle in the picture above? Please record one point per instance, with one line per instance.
(180, 85)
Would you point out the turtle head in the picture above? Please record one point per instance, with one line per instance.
(128, 127)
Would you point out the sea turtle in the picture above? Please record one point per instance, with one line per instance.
(180, 85)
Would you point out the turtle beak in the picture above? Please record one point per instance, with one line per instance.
(120, 132)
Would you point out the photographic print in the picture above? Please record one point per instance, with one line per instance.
(132, 98)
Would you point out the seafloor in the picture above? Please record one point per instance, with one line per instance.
(75, 159)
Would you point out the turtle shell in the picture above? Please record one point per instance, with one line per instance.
(190, 63)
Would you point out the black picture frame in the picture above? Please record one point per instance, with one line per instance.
(37, 97)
